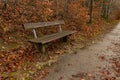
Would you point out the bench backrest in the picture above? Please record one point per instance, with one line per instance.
(42, 24)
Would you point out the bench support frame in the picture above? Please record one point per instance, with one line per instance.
(34, 32)
(41, 47)
(65, 39)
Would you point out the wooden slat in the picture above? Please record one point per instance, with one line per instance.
(42, 24)
(52, 37)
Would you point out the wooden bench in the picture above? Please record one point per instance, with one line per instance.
(47, 38)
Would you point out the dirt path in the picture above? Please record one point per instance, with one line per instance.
(87, 60)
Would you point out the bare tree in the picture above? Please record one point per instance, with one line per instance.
(57, 7)
(106, 8)
(91, 11)
(66, 7)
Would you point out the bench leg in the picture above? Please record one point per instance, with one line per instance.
(65, 39)
(41, 47)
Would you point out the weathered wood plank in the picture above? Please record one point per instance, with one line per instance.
(52, 37)
(42, 24)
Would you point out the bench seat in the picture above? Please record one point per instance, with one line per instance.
(48, 38)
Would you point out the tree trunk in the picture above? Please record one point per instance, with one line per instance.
(91, 11)
(66, 7)
(57, 6)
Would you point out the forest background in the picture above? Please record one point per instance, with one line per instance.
(89, 18)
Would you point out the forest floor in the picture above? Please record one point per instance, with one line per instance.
(99, 61)
(78, 58)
